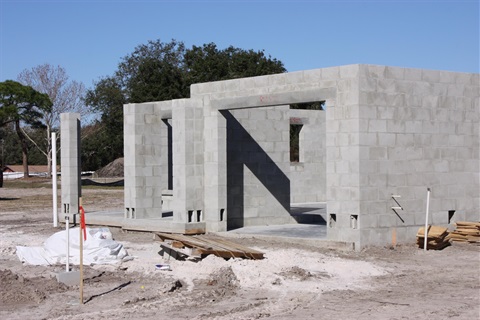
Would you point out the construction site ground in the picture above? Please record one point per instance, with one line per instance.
(294, 281)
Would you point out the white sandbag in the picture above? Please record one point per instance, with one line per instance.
(99, 248)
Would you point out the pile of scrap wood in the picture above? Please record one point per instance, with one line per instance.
(466, 232)
(436, 238)
(199, 246)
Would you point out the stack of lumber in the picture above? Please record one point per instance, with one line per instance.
(199, 246)
(436, 238)
(466, 232)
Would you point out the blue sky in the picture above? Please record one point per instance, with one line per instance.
(88, 38)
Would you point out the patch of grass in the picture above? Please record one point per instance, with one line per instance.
(28, 183)
(103, 187)
(36, 182)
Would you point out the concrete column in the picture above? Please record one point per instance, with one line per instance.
(70, 163)
(215, 169)
(142, 148)
(187, 123)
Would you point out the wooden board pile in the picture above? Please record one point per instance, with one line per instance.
(436, 238)
(466, 232)
(199, 246)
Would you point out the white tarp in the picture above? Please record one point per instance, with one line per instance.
(99, 248)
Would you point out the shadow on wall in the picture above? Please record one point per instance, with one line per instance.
(243, 150)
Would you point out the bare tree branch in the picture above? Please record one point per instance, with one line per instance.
(66, 96)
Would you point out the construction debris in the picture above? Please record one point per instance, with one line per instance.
(466, 232)
(436, 238)
(199, 246)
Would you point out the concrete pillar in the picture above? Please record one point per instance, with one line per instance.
(70, 162)
(215, 169)
(187, 123)
(143, 172)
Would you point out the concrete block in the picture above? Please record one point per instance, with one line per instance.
(431, 75)
(331, 73)
(456, 90)
(386, 85)
(386, 220)
(395, 126)
(395, 99)
(368, 221)
(447, 77)
(374, 71)
(70, 278)
(394, 73)
(294, 77)
(312, 76)
(351, 71)
(413, 74)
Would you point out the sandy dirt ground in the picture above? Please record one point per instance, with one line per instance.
(292, 282)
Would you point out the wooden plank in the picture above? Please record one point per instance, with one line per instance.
(433, 232)
(251, 253)
(204, 246)
(219, 247)
(467, 223)
(236, 245)
(177, 244)
(186, 240)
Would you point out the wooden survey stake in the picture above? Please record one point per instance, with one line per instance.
(81, 252)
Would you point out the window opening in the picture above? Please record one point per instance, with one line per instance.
(317, 105)
(295, 142)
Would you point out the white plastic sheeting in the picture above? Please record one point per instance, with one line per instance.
(99, 248)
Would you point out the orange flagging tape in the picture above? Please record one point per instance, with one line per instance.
(82, 223)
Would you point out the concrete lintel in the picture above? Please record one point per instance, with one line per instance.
(273, 99)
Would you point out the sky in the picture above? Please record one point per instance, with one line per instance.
(89, 38)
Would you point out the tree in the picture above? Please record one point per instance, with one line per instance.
(103, 140)
(65, 95)
(22, 105)
(159, 71)
(153, 72)
(208, 63)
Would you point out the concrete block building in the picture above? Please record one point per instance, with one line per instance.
(221, 160)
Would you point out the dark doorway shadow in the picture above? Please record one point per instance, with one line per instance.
(243, 150)
(169, 153)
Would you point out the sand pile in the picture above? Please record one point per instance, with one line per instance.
(112, 170)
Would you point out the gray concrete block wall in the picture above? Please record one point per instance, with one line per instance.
(418, 129)
(308, 176)
(258, 188)
(188, 160)
(70, 163)
(387, 130)
(143, 161)
(343, 149)
(215, 168)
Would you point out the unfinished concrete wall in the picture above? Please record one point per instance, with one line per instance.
(188, 161)
(70, 163)
(417, 129)
(225, 97)
(144, 175)
(308, 177)
(387, 131)
(258, 187)
(397, 131)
